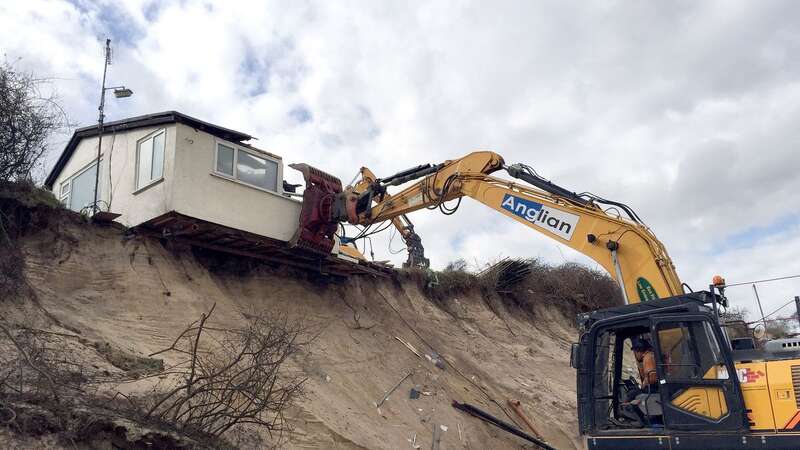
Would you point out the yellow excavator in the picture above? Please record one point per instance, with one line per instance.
(711, 392)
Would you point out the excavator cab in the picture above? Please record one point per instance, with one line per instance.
(697, 400)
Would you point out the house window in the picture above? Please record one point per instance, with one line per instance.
(150, 159)
(249, 168)
(63, 195)
(77, 192)
(225, 160)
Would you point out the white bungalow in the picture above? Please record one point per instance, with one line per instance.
(170, 162)
(185, 178)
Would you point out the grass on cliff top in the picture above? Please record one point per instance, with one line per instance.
(27, 194)
(570, 287)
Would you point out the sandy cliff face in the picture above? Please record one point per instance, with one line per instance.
(137, 295)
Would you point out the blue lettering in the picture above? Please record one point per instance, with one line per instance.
(521, 207)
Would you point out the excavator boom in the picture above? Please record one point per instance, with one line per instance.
(624, 246)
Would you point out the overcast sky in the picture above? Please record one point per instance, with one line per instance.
(688, 111)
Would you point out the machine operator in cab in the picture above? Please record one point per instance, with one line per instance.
(646, 362)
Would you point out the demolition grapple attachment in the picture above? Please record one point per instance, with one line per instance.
(317, 227)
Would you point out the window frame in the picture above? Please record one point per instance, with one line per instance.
(66, 198)
(699, 351)
(252, 152)
(232, 175)
(152, 135)
(606, 380)
(63, 197)
(677, 418)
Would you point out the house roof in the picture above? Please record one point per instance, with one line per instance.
(133, 123)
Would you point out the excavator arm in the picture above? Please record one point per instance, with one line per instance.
(404, 227)
(624, 246)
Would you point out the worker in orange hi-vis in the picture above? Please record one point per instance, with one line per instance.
(646, 361)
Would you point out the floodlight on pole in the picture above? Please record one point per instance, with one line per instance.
(119, 92)
(122, 92)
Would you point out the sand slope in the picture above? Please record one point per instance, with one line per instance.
(137, 295)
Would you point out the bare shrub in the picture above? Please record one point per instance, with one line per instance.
(734, 320)
(34, 363)
(28, 117)
(231, 377)
(780, 328)
(459, 265)
(455, 279)
(42, 381)
(738, 324)
(572, 287)
(48, 387)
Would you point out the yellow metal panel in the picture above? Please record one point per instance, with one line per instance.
(753, 380)
(703, 401)
(783, 393)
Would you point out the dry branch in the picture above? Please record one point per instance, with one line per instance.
(28, 117)
(51, 384)
(231, 377)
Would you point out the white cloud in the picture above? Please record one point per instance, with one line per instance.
(687, 112)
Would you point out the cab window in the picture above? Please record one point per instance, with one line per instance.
(689, 350)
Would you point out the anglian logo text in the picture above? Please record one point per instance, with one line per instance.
(558, 222)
